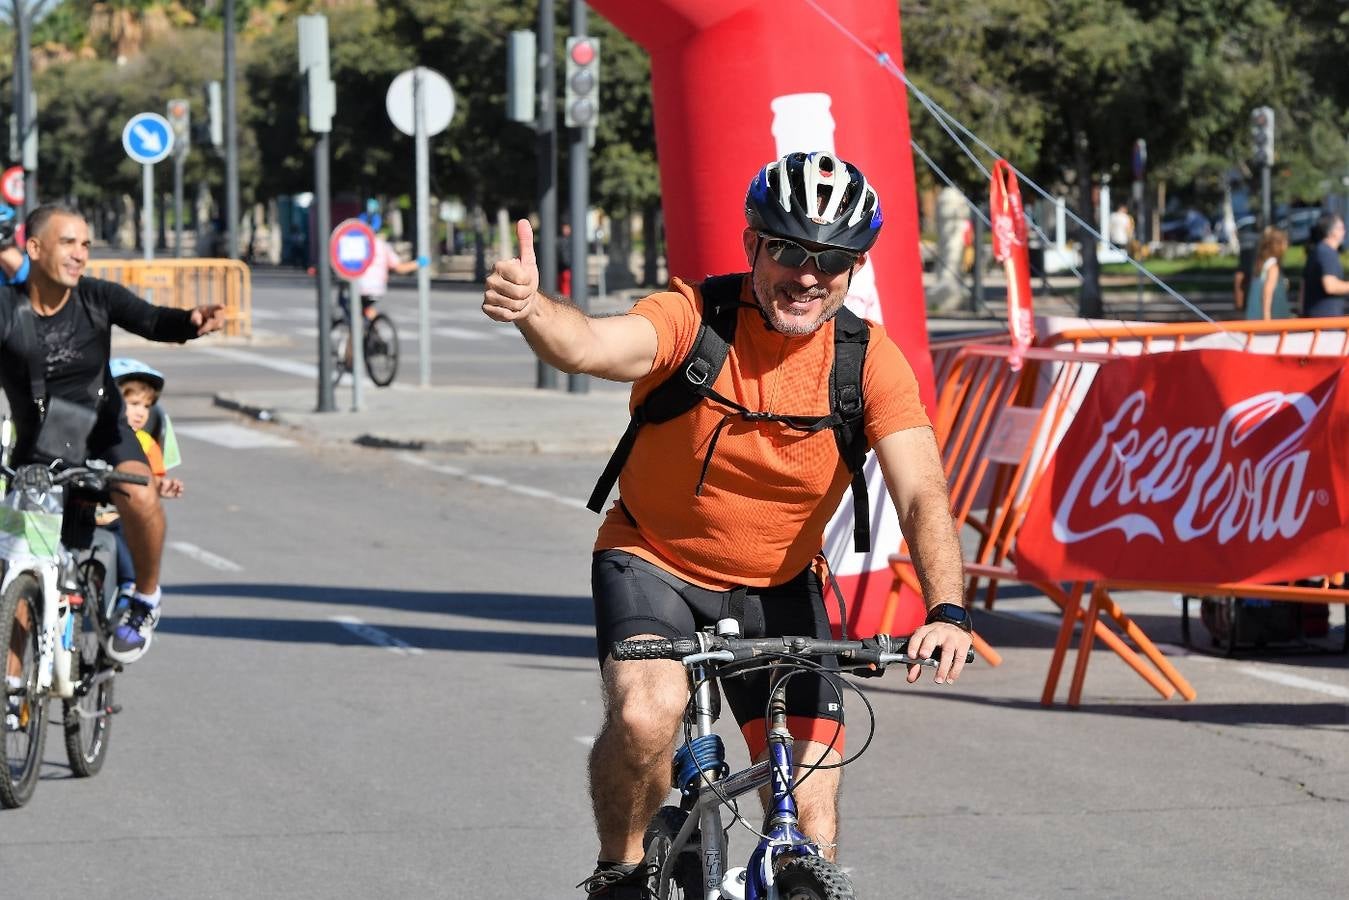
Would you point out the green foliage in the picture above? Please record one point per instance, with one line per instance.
(1053, 84)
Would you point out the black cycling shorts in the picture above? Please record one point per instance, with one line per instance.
(633, 596)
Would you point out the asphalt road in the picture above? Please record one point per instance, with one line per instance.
(374, 678)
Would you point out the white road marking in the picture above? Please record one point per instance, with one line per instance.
(236, 437)
(289, 366)
(294, 313)
(491, 481)
(587, 740)
(1295, 681)
(205, 557)
(463, 334)
(375, 636)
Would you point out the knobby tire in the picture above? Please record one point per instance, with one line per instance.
(812, 878)
(686, 878)
(87, 735)
(23, 746)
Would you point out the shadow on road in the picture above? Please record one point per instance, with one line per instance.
(551, 610)
(319, 631)
(1333, 715)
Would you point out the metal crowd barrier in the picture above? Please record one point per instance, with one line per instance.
(186, 283)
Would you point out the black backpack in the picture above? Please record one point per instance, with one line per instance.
(693, 380)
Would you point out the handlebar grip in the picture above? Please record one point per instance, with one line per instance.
(659, 648)
(125, 477)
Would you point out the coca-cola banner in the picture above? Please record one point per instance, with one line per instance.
(1198, 466)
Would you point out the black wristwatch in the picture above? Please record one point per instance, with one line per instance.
(951, 614)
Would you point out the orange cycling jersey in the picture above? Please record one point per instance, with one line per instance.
(769, 489)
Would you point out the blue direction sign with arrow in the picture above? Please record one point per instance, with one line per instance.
(148, 138)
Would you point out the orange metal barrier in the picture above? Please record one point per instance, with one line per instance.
(185, 283)
(1313, 337)
(997, 430)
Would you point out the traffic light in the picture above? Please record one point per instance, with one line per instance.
(583, 82)
(179, 121)
(1262, 136)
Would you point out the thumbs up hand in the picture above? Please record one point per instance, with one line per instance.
(513, 286)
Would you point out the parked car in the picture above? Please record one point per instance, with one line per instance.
(1246, 224)
(1189, 226)
(1297, 223)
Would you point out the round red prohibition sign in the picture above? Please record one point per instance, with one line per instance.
(351, 249)
(11, 185)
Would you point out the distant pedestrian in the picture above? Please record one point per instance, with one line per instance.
(1267, 296)
(1323, 284)
(1121, 227)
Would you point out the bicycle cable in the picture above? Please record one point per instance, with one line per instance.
(797, 666)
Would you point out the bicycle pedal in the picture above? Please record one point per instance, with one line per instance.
(113, 710)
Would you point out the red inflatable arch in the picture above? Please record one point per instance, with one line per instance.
(738, 83)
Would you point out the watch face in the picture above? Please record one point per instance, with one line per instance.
(951, 613)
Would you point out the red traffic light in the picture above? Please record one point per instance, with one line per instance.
(583, 53)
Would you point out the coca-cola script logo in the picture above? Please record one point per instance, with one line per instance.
(1244, 476)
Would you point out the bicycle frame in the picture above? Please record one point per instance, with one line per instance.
(781, 835)
(56, 570)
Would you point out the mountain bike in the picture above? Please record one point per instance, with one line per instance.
(57, 608)
(687, 843)
(379, 346)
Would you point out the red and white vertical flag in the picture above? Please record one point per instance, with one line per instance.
(1011, 248)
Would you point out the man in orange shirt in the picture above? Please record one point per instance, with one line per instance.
(715, 500)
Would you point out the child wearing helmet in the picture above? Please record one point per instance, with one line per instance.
(141, 386)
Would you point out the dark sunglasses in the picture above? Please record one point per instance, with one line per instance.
(789, 253)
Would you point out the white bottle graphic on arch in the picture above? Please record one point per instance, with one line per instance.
(802, 123)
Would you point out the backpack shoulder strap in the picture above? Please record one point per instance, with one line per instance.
(845, 401)
(689, 383)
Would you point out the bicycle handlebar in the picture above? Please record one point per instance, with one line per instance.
(93, 478)
(879, 651)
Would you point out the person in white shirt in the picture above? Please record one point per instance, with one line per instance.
(375, 282)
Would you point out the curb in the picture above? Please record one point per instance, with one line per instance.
(260, 413)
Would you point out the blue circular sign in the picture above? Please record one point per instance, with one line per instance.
(147, 138)
(351, 248)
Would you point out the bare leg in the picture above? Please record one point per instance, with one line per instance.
(630, 761)
(18, 636)
(817, 797)
(142, 524)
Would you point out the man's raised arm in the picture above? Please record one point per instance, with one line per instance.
(619, 348)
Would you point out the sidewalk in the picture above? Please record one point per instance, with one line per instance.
(457, 419)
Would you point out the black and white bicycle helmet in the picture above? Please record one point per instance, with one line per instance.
(815, 197)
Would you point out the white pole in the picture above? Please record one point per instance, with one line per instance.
(356, 313)
(423, 224)
(148, 210)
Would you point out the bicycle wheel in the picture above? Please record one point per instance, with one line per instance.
(87, 718)
(25, 710)
(686, 877)
(381, 349)
(812, 878)
(338, 336)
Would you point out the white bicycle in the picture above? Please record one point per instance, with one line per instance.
(57, 601)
